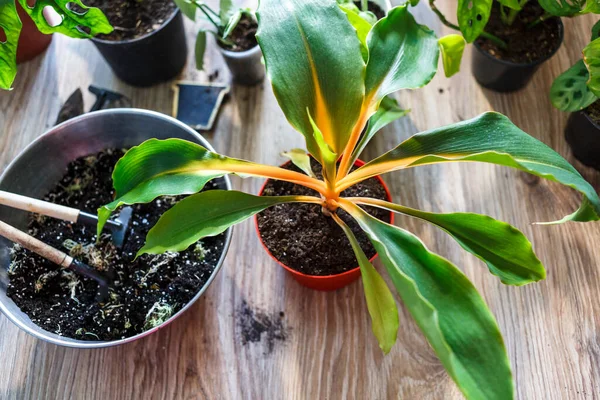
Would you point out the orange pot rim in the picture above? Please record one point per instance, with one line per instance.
(358, 163)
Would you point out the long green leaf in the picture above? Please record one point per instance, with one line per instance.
(11, 24)
(490, 138)
(174, 167)
(591, 58)
(380, 301)
(452, 48)
(506, 251)
(361, 25)
(200, 49)
(300, 159)
(72, 22)
(310, 69)
(402, 54)
(187, 8)
(388, 112)
(226, 11)
(451, 314)
(570, 91)
(473, 16)
(205, 214)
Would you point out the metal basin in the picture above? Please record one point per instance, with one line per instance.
(43, 163)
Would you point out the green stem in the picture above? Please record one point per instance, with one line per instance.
(539, 20)
(364, 5)
(201, 7)
(499, 42)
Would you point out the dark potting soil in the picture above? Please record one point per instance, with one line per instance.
(256, 326)
(133, 18)
(593, 111)
(146, 291)
(303, 238)
(243, 36)
(373, 7)
(525, 45)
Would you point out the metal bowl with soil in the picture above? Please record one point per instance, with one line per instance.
(310, 245)
(510, 69)
(148, 44)
(71, 164)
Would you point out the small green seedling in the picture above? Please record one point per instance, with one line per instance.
(473, 16)
(336, 96)
(49, 16)
(221, 24)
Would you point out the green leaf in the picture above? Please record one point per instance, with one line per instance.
(591, 58)
(388, 112)
(452, 48)
(473, 16)
(204, 214)
(402, 55)
(380, 301)
(187, 8)
(326, 156)
(226, 11)
(562, 8)
(175, 167)
(362, 26)
(232, 23)
(595, 31)
(505, 250)
(490, 138)
(570, 92)
(72, 22)
(513, 4)
(591, 7)
(447, 308)
(200, 49)
(311, 68)
(11, 24)
(300, 159)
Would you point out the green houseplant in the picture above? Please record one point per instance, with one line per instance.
(74, 24)
(577, 91)
(512, 37)
(234, 29)
(330, 89)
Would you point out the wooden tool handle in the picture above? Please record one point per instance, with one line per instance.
(38, 247)
(38, 206)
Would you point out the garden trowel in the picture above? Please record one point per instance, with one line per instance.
(118, 227)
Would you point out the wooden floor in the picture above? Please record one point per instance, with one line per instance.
(552, 329)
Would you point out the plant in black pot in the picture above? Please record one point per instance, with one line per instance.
(235, 31)
(148, 44)
(330, 93)
(512, 37)
(49, 17)
(577, 91)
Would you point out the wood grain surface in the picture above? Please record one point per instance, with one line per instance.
(552, 328)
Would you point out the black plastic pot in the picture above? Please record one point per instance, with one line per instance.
(151, 59)
(505, 76)
(583, 136)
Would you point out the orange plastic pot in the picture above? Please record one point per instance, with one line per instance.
(31, 42)
(323, 282)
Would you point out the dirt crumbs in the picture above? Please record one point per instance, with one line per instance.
(525, 44)
(258, 326)
(301, 237)
(243, 36)
(146, 292)
(133, 18)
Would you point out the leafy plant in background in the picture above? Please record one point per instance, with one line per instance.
(221, 23)
(579, 86)
(362, 11)
(86, 24)
(330, 91)
(473, 16)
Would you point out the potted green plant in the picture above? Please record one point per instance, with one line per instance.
(369, 10)
(148, 45)
(577, 91)
(512, 37)
(235, 31)
(329, 92)
(27, 28)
